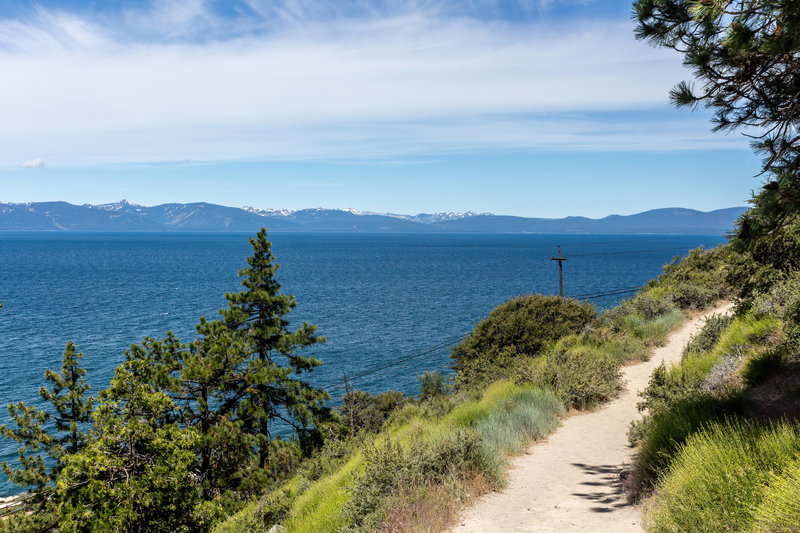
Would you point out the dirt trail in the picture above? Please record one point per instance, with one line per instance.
(570, 481)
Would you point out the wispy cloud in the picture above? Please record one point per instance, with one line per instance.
(325, 82)
(32, 163)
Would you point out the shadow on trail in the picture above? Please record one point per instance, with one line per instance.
(608, 493)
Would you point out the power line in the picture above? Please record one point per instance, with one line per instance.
(396, 362)
(375, 375)
(611, 292)
(631, 252)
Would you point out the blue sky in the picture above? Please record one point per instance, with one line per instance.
(529, 107)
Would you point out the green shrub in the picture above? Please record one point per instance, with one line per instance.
(362, 411)
(779, 510)
(698, 279)
(260, 515)
(791, 312)
(668, 386)
(651, 304)
(651, 332)
(505, 365)
(327, 459)
(663, 432)
(625, 348)
(748, 278)
(717, 480)
(582, 377)
(390, 468)
(760, 262)
(706, 338)
(433, 384)
(525, 323)
(527, 415)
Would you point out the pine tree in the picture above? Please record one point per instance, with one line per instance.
(270, 389)
(745, 56)
(71, 411)
(134, 474)
(203, 380)
(42, 451)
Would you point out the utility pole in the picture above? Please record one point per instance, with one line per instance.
(560, 271)
(349, 407)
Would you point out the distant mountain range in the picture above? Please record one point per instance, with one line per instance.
(124, 216)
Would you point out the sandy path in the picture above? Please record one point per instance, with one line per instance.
(570, 481)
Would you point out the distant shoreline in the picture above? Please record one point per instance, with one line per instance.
(205, 217)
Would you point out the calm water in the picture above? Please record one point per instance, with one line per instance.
(376, 297)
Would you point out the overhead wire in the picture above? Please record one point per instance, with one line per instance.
(629, 252)
(395, 362)
(375, 375)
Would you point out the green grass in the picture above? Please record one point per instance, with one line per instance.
(679, 406)
(666, 431)
(779, 510)
(319, 508)
(719, 478)
(746, 333)
(507, 417)
(652, 332)
(524, 416)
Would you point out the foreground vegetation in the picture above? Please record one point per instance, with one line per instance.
(719, 444)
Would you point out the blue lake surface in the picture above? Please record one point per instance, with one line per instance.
(376, 297)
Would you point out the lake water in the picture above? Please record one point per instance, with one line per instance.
(376, 297)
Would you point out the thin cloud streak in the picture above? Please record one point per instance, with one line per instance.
(32, 163)
(409, 84)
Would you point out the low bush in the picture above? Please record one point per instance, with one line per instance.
(432, 385)
(650, 304)
(706, 338)
(718, 479)
(625, 349)
(261, 514)
(506, 365)
(662, 433)
(779, 510)
(362, 411)
(697, 280)
(520, 327)
(424, 509)
(582, 377)
(390, 468)
(651, 332)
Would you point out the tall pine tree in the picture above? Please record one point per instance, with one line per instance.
(204, 379)
(271, 387)
(47, 436)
